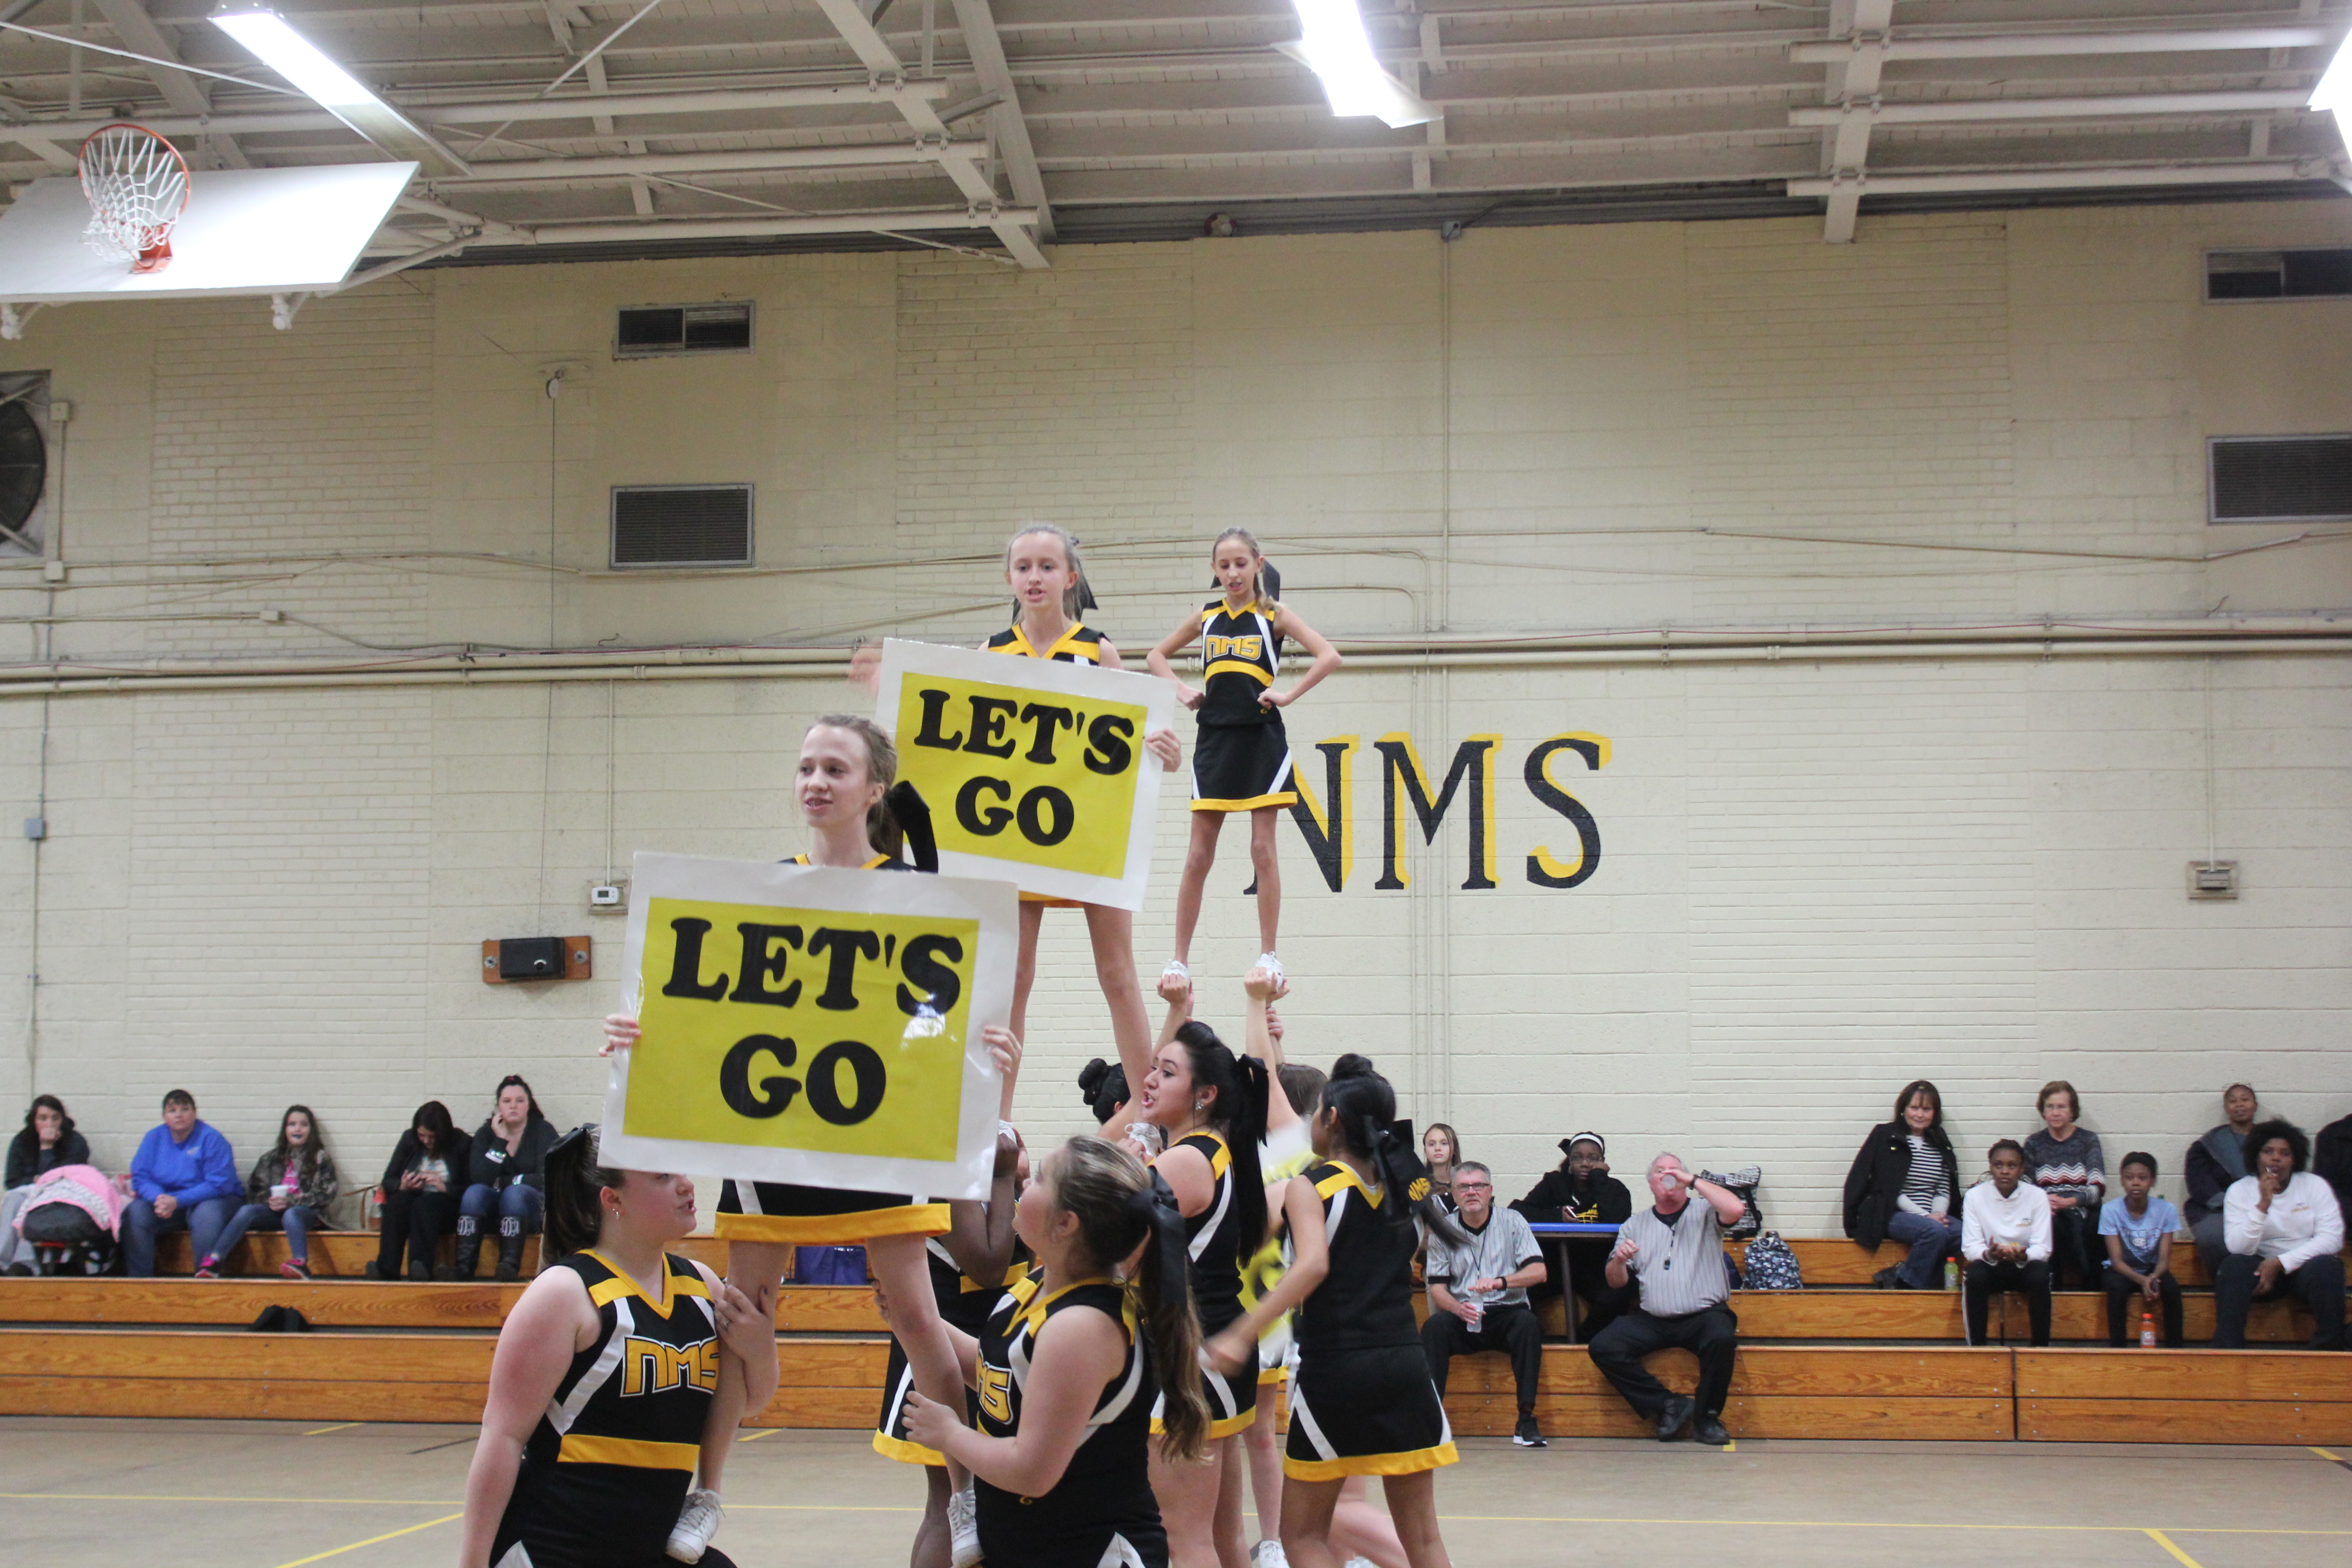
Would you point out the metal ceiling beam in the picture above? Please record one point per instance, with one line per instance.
(1846, 147)
(2125, 105)
(2276, 170)
(130, 23)
(922, 220)
(2021, 45)
(1011, 130)
(532, 170)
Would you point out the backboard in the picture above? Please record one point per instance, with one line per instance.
(246, 231)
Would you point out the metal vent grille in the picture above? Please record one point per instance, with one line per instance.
(681, 525)
(2278, 275)
(647, 330)
(2281, 479)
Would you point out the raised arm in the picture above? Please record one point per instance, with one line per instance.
(1265, 1043)
(980, 1236)
(1726, 1204)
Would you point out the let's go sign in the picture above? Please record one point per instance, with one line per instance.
(807, 1025)
(1033, 770)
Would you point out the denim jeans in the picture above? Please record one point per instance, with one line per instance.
(294, 1219)
(518, 1201)
(142, 1226)
(1931, 1241)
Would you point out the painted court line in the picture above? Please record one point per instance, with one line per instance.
(772, 1431)
(392, 1535)
(322, 1431)
(2157, 1536)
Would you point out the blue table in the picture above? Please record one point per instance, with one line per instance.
(1561, 1230)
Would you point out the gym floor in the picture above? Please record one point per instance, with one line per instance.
(257, 1494)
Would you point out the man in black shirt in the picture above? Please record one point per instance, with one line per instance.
(1582, 1189)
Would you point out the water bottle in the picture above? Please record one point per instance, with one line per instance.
(2148, 1331)
(1951, 1274)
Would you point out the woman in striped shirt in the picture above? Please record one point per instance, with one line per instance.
(1904, 1185)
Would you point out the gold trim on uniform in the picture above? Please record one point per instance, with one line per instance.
(803, 860)
(1287, 797)
(1084, 652)
(639, 1453)
(1256, 672)
(907, 1453)
(1222, 1427)
(609, 1290)
(1412, 1461)
(834, 1229)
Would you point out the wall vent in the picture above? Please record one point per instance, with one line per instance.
(646, 331)
(681, 525)
(2278, 275)
(2280, 479)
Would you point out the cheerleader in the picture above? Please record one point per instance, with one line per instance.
(1068, 1367)
(604, 1376)
(1049, 591)
(1361, 1402)
(971, 1265)
(1241, 760)
(847, 766)
(1211, 1109)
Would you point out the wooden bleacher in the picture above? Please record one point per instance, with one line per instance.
(1837, 1359)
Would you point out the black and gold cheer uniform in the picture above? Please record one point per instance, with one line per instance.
(1241, 760)
(1362, 1404)
(1101, 1513)
(1213, 1240)
(823, 1216)
(1080, 644)
(607, 1468)
(963, 1303)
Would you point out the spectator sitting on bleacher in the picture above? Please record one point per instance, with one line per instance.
(2138, 1230)
(1582, 1191)
(1478, 1293)
(2331, 1160)
(1441, 1150)
(1675, 1249)
(182, 1178)
(1904, 1183)
(420, 1194)
(2285, 1232)
(2005, 1237)
(2064, 1161)
(47, 1141)
(507, 1156)
(289, 1190)
(2214, 1162)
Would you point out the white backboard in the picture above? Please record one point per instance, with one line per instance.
(246, 231)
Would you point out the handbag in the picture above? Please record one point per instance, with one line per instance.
(1744, 1182)
(1771, 1266)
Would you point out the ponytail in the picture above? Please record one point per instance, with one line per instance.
(1239, 1116)
(1103, 1086)
(1121, 1205)
(576, 1178)
(1366, 1105)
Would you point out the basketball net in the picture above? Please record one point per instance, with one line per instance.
(137, 184)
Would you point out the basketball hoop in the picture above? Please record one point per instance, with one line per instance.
(137, 184)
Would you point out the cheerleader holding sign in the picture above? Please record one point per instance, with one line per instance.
(1241, 761)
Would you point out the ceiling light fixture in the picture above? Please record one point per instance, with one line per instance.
(1338, 51)
(2334, 90)
(278, 45)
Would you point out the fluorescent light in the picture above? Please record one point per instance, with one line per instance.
(1337, 50)
(302, 62)
(2334, 90)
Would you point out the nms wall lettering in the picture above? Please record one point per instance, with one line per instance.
(1410, 801)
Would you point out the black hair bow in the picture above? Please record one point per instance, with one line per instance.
(1155, 1206)
(912, 812)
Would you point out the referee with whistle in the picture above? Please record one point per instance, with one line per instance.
(1675, 1251)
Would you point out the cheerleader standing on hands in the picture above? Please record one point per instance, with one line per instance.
(1361, 1403)
(586, 1452)
(1068, 1367)
(1241, 761)
(848, 765)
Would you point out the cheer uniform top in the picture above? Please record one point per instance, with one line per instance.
(607, 1468)
(1212, 1240)
(1241, 760)
(1362, 1404)
(1101, 1512)
(964, 1302)
(823, 1216)
(1080, 644)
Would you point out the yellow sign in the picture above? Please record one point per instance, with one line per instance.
(813, 1026)
(1033, 770)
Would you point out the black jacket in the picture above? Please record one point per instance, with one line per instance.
(2208, 1180)
(2331, 1158)
(491, 1166)
(1876, 1180)
(1557, 1197)
(24, 1165)
(410, 1153)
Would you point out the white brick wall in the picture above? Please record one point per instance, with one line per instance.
(1819, 879)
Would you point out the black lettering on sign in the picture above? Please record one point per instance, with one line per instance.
(935, 712)
(760, 963)
(1043, 721)
(1109, 745)
(1329, 834)
(1542, 869)
(929, 980)
(986, 824)
(774, 1094)
(989, 715)
(866, 1073)
(1033, 808)
(685, 963)
(841, 980)
(1403, 783)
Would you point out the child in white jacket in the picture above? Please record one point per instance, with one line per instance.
(2005, 1237)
